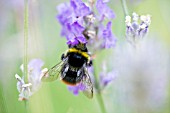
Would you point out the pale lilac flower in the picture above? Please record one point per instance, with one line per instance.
(106, 77)
(34, 79)
(23, 89)
(137, 26)
(34, 71)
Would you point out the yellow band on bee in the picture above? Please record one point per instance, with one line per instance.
(72, 50)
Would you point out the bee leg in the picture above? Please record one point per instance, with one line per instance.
(62, 56)
(90, 63)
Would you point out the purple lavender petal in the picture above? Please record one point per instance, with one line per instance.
(64, 31)
(65, 13)
(81, 39)
(74, 89)
(109, 43)
(106, 78)
(79, 20)
(73, 42)
(83, 10)
(109, 13)
(143, 32)
(81, 87)
(109, 39)
(104, 10)
(64, 17)
(71, 18)
(73, 3)
(110, 77)
(80, 8)
(75, 28)
(135, 26)
(107, 33)
(75, 34)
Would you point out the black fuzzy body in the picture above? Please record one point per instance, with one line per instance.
(75, 71)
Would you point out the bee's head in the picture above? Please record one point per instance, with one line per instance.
(79, 46)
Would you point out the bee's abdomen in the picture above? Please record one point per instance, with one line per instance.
(76, 60)
(71, 78)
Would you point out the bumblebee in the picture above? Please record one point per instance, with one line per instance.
(72, 69)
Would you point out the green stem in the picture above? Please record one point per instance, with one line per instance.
(124, 6)
(101, 102)
(26, 47)
(99, 95)
(26, 106)
(26, 41)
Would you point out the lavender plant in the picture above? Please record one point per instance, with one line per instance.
(27, 89)
(90, 24)
(137, 29)
(82, 24)
(32, 73)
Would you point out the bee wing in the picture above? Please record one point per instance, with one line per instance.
(86, 81)
(53, 73)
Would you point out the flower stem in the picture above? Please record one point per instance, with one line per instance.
(101, 102)
(26, 41)
(26, 106)
(26, 47)
(124, 6)
(99, 95)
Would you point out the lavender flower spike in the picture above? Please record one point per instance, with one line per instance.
(106, 77)
(137, 26)
(71, 17)
(34, 79)
(23, 89)
(34, 71)
(78, 23)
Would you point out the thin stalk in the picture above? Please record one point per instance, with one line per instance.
(99, 95)
(26, 106)
(26, 41)
(26, 47)
(124, 6)
(101, 102)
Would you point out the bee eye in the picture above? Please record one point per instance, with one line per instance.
(69, 46)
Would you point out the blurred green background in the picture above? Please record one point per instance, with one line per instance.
(46, 43)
